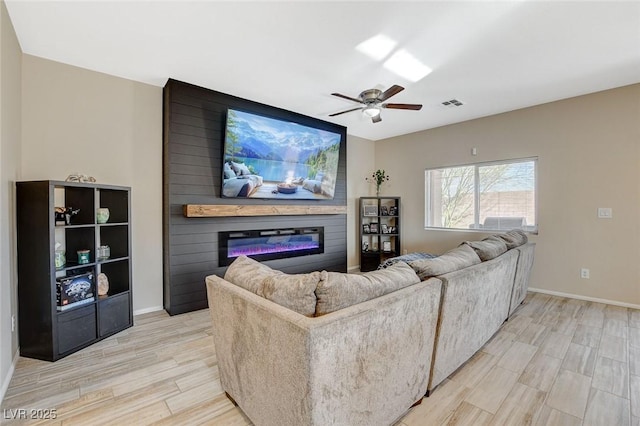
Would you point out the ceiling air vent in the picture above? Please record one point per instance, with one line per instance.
(452, 103)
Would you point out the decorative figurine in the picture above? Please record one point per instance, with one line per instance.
(64, 214)
(103, 284)
(77, 177)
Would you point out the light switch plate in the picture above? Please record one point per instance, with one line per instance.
(605, 213)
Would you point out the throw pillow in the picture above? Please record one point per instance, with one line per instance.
(489, 248)
(228, 171)
(458, 258)
(311, 185)
(338, 290)
(405, 258)
(240, 169)
(514, 238)
(293, 291)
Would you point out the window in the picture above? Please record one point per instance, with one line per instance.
(498, 196)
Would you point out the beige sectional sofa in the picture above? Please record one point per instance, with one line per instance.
(374, 344)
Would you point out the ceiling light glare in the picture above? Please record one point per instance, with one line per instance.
(377, 47)
(407, 66)
(371, 111)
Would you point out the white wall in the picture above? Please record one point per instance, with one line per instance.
(75, 120)
(589, 157)
(10, 111)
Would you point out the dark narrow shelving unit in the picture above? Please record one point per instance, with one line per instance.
(45, 331)
(381, 243)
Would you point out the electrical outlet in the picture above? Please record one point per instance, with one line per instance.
(584, 273)
(13, 323)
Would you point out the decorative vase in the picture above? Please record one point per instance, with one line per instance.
(103, 253)
(377, 190)
(102, 215)
(60, 259)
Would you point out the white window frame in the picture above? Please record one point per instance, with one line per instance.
(530, 228)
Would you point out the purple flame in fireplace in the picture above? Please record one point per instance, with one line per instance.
(270, 244)
(253, 249)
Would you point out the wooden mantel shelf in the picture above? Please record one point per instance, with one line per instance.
(209, 210)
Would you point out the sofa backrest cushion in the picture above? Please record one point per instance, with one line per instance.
(338, 290)
(514, 238)
(489, 248)
(293, 291)
(458, 258)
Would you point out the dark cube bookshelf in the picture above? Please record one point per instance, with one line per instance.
(379, 230)
(46, 331)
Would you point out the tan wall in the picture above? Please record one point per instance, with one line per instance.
(360, 160)
(75, 120)
(589, 157)
(10, 116)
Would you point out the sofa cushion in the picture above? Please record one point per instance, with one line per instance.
(458, 258)
(248, 273)
(489, 248)
(293, 291)
(338, 290)
(514, 238)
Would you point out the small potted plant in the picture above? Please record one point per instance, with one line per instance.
(378, 177)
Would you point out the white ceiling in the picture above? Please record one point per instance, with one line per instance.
(494, 56)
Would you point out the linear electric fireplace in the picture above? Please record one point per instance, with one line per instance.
(270, 243)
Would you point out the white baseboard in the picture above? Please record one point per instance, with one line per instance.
(7, 379)
(147, 310)
(587, 298)
(353, 269)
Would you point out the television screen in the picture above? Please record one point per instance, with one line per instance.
(270, 158)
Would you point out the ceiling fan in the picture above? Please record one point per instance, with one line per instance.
(373, 101)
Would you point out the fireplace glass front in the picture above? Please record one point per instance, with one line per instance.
(270, 244)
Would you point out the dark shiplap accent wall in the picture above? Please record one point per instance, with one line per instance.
(194, 119)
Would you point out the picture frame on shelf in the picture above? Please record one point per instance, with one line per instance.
(386, 246)
(373, 227)
(384, 228)
(393, 230)
(365, 228)
(365, 246)
(370, 210)
(384, 211)
(393, 211)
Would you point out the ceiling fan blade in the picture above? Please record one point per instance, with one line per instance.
(391, 91)
(376, 118)
(415, 107)
(344, 112)
(347, 97)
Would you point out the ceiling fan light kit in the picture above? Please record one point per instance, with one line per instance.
(372, 101)
(371, 110)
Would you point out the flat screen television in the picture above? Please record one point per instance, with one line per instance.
(271, 158)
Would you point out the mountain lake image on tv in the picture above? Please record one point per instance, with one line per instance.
(270, 158)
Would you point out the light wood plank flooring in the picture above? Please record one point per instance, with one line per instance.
(558, 361)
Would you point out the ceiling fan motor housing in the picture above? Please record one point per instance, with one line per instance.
(370, 96)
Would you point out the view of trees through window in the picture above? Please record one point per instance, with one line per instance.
(497, 196)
